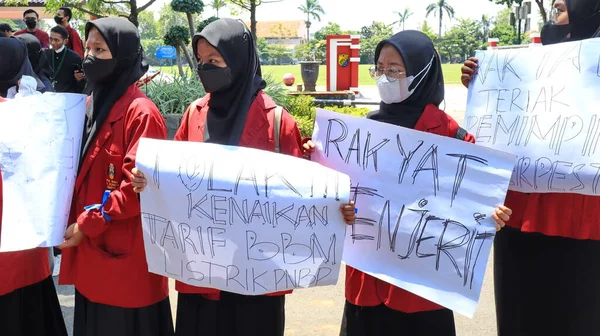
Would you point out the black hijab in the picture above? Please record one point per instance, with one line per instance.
(123, 40)
(228, 108)
(417, 51)
(14, 64)
(34, 48)
(584, 18)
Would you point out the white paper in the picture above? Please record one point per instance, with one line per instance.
(40, 139)
(424, 205)
(541, 104)
(238, 219)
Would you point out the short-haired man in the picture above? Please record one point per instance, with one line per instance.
(61, 64)
(31, 18)
(6, 30)
(63, 18)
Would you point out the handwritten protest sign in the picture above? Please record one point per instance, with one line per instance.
(542, 105)
(40, 139)
(239, 219)
(424, 205)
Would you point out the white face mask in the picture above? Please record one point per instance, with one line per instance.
(397, 91)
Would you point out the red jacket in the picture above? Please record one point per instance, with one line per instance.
(109, 266)
(22, 268)
(565, 215)
(258, 133)
(365, 290)
(75, 43)
(40, 34)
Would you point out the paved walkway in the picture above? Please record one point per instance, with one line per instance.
(318, 311)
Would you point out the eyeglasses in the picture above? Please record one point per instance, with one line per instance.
(392, 75)
(554, 14)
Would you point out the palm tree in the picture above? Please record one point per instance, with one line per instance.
(312, 9)
(440, 7)
(218, 5)
(403, 17)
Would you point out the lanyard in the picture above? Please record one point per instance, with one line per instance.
(56, 70)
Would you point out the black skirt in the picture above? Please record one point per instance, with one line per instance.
(32, 310)
(546, 285)
(232, 315)
(95, 319)
(384, 321)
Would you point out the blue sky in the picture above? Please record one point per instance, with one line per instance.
(353, 14)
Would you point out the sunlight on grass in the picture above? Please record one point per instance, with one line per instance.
(451, 73)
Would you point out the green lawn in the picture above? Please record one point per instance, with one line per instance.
(451, 73)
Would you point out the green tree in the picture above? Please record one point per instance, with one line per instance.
(262, 47)
(437, 9)
(403, 16)
(179, 37)
(190, 8)
(485, 27)
(461, 41)
(312, 9)
(217, 5)
(539, 3)
(169, 18)
(370, 37)
(428, 30)
(277, 53)
(128, 9)
(251, 6)
(148, 26)
(504, 33)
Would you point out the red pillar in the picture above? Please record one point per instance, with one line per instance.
(355, 62)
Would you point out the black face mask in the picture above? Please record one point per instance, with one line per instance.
(31, 23)
(98, 70)
(58, 20)
(213, 78)
(553, 33)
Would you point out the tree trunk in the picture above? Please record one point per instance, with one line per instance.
(253, 18)
(217, 11)
(191, 62)
(178, 53)
(133, 15)
(191, 24)
(543, 12)
(441, 18)
(307, 27)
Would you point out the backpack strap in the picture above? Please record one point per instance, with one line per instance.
(461, 133)
(277, 127)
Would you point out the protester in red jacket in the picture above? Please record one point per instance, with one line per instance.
(103, 252)
(236, 112)
(411, 85)
(28, 301)
(31, 19)
(63, 18)
(546, 266)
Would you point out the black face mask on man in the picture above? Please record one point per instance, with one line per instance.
(553, 33)
(58, 20)
(214, 78)
(98, 71)
(31, 23)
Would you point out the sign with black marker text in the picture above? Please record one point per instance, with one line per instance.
(40, 140)
(424, 205)
(541, 104)
(240, 220)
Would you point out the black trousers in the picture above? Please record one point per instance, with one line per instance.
(232, 315)
(32, 311)
(95, 319)
(383, 321)
(546, 285)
